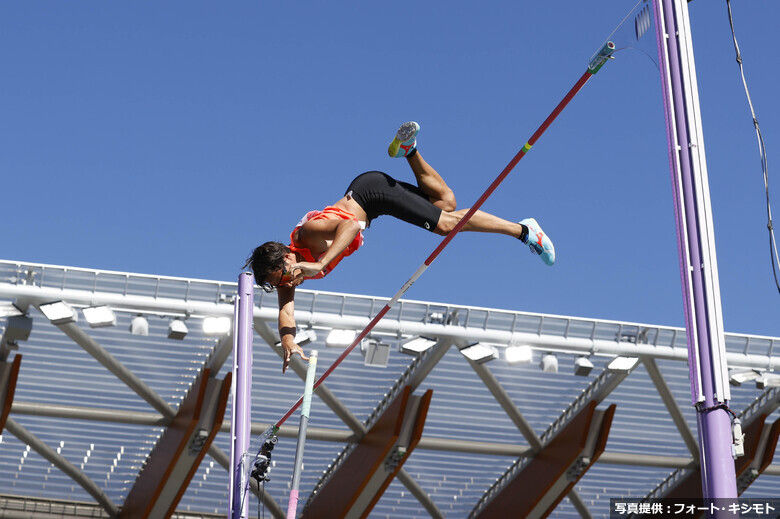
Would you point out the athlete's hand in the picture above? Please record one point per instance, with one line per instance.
(308, 269)
(290, 349)
(294, 278)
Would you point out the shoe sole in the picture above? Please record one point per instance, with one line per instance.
(404, 133)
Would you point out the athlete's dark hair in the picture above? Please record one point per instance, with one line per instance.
(265, 259)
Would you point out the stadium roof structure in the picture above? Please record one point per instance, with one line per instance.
(99, 414)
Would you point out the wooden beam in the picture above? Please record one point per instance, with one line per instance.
(544, 481)
(174, 460)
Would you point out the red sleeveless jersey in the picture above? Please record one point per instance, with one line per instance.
(329, 213)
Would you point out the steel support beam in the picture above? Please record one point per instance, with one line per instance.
(505, 401)
(263, 329)
(361, 476)
(119, 370)
(341, 436)
(671, 406)
(219, 355)
(63, 464)
(417, 491)
(173, 462)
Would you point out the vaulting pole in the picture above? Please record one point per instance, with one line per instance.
(596, 63)
(292, 505)
(696, 244)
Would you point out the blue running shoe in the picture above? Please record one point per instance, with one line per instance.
(405, 140)
(539, 242)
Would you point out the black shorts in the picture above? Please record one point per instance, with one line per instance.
(378, 193)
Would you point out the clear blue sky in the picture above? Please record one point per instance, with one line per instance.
(173, 137)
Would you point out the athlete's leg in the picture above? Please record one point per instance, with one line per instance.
(528, 230)
(404, 144)
(430, 182)
(479, 222)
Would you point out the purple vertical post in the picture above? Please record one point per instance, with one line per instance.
(240, 427)
(698, 266)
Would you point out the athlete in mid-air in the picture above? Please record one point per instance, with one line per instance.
(323, 238)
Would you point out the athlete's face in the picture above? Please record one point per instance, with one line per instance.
(285, 276)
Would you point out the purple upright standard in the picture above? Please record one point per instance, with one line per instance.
(240, 427)
(698, 264)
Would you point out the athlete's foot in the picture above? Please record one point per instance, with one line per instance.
(405, 141)
(538, 241)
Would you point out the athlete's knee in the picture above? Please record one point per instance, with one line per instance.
(447, 222)
(447, 201)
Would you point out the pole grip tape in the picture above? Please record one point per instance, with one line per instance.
(309, 386)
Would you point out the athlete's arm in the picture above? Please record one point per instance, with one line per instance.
(287, 324)
(326, 239)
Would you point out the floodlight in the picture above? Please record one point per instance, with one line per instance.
(437, 317)
(768, 380)
(583, 366)
(305, 337)
(340, 338)
(9, 310)
(17, 329)
(216, 325)
(377, 353)
(622, 364)
(416, 345)
(139, 325)
(479, 352)
(177, 329)
(99, 316)
(549, 363)
(59, 312)
(519, 354)
(736, 378)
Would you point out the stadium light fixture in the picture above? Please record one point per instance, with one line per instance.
(736, 378)
(377, 353)
(305, 337)
(340, 338)
(768, 380)
(583, 366)
(479, 352)
(139, 325)
(18, 328)
(549, 363)
(59, 312)
(217, 325)
(416, 345)
(99, 316)
(622, 364)
(177, 329)
(519, 354)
